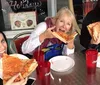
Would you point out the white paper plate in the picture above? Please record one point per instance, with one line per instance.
(15, 55)
(98, 61)
(61, 63)
(20, 56)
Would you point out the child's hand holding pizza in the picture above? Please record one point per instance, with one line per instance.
(11, 81)
(47, 34)
(97, 41)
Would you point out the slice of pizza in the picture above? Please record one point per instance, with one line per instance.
(94, 30)
(64, 37)
(13, 65)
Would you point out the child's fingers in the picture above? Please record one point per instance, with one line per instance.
(23, 82)
(12, 79)
(21, 76)
(51, 28)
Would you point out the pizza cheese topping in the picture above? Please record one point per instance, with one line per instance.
(64, 37)
(13, 65)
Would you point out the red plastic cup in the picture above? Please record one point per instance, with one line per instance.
(39, 56)
(43, 73)
(90, 79)
(91, 58)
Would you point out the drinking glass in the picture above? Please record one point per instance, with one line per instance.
(91, 58)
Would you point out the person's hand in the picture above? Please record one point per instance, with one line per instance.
(97, 41)
(11, 81)
(70, 44)
(47, 34)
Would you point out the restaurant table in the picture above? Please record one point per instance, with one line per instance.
(77, 75)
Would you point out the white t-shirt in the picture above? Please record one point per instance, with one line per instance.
(33, 41)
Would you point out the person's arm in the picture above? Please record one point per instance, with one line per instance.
(67, 51)
(95, 44)
(69, 48)
(33, 41)
(85, 37)
(39, 34)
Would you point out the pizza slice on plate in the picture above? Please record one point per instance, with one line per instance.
(94, 30)
(64, 37)
(12, 65)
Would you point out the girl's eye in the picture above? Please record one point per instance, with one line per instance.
(3, 41)
(69, 24)
(61, 21)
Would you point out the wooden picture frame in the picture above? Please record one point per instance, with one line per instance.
(23, 20)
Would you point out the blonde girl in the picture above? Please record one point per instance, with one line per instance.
(42, 36)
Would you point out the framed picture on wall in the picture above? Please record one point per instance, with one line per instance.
(22, 20)
(18, 6)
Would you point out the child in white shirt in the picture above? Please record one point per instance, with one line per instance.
(41, 37)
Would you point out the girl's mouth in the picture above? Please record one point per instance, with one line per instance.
(61, 30)
(2, 51)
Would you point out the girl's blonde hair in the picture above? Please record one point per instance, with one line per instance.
(65, 10)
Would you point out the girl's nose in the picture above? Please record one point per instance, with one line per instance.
(64, 25)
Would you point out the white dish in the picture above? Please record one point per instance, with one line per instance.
(20, 56)
(61, 63)
(98, 61)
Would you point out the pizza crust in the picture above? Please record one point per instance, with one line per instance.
(94, 30)
(64, 37)
(13, 65)
(59, 37)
